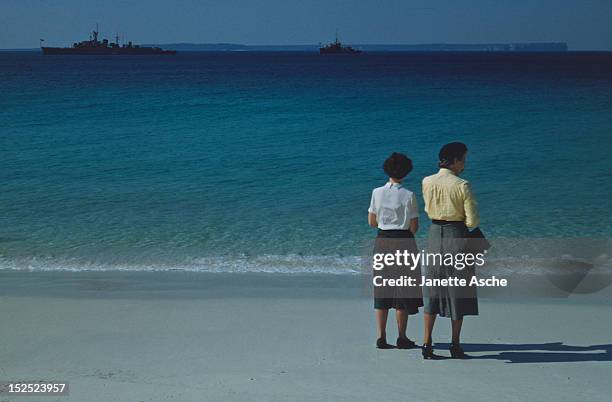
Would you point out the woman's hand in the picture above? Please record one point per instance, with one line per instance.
(414, 225)
(372, 220)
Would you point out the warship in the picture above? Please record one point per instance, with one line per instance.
(336, 47)
(93, 46)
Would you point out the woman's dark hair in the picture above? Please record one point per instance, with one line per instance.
(397, 166)
(450, 153)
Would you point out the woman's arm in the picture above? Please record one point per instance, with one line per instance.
(371, 215)
(470, 206)
(412, 212)
(372, 220)
(414, 225)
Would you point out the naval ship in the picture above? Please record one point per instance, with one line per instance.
(337, 48)
(95, 47)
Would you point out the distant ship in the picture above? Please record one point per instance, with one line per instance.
(94, 47)
(337, 48)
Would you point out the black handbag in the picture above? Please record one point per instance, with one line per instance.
(477, 242)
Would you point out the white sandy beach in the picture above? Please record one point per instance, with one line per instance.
(184, 337)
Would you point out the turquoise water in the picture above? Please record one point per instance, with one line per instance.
(266, 161)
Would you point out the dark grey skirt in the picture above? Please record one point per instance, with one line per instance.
(449, 301)
(408, 299)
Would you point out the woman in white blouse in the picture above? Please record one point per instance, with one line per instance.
(394, 211)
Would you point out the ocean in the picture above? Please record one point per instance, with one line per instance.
(265, 162)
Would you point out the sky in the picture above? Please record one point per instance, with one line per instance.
(583, 24)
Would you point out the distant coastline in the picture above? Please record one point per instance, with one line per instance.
(439, 47)
(434, 47)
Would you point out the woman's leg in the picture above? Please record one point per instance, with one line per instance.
(428, 321)
(456, 325)
(401, 316)
(381, 322)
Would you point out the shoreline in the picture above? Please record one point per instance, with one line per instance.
(181, 284)
(206, 285)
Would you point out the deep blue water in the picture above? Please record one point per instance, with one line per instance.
(222, 161)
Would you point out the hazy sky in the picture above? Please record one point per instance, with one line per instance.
(583, 24)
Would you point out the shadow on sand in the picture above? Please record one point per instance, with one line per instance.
(554, 352)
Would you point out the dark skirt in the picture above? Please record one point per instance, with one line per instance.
(449, 301)
(399, 298)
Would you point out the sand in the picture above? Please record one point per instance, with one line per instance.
(213, 337)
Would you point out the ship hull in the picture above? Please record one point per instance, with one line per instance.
(106, 51)
(338, 51)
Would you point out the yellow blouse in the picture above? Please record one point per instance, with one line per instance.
(450, 198)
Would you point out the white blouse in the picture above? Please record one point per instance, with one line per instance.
(394, 206)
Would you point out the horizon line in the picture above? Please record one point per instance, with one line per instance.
(316, 45)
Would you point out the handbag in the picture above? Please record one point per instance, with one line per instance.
(477, 242)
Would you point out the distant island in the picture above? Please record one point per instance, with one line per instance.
(436, 47)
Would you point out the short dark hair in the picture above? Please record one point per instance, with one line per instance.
(397, 165)
(450, 153)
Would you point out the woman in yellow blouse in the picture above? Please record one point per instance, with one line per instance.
(452, 208)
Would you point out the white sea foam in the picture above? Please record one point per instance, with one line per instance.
(303, 264)
(272, 264)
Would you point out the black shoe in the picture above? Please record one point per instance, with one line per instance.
(428, 353)
(405, 343)
(457, 352)
(381, 343)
